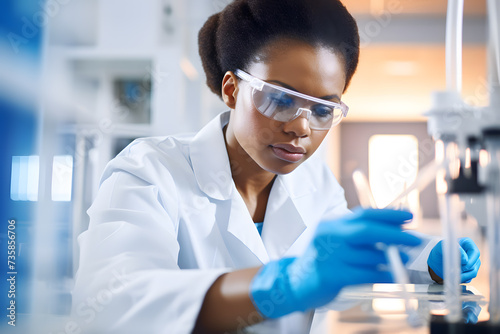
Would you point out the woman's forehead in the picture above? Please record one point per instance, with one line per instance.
(303, 66)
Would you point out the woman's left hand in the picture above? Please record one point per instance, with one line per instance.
(470, 261)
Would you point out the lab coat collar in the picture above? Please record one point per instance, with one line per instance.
(210, 160)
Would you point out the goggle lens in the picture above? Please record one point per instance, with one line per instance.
(285, 107)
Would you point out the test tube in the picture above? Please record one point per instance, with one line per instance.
(492, 177)
(447, 151)
(449, 211)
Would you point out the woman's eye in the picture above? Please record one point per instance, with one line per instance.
(282, 100)
(321, 110)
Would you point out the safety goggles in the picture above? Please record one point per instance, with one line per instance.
(285, 105)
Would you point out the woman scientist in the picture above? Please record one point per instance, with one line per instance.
(240, 227)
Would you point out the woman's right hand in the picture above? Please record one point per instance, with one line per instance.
(343, 252)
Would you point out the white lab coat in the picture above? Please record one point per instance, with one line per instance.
(168, 220)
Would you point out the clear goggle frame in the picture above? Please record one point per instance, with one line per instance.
(285, 105)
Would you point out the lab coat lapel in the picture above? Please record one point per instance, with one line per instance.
(287, 214)
(213, 174)
(241, 226)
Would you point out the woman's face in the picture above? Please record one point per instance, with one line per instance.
(280, 147)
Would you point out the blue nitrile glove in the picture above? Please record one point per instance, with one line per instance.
(470, 309)
(343, 252)
(470, 261)
(470, 312)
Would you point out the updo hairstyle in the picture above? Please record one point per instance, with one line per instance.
(234, 37)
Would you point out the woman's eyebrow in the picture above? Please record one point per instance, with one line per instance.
(328, 97)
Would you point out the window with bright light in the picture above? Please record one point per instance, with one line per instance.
(393, 167)
(24, 178)
(62, 178)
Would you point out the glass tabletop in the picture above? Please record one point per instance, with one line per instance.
(380, 308)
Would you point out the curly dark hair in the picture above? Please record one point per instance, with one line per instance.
(232, 38)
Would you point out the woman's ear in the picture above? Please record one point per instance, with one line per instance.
(229, 89)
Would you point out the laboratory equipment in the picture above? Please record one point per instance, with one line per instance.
(492, 173)
(461, 133)
(449, 211)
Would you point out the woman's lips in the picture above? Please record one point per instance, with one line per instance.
(288, 152)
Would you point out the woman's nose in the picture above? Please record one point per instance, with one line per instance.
(299, 126)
